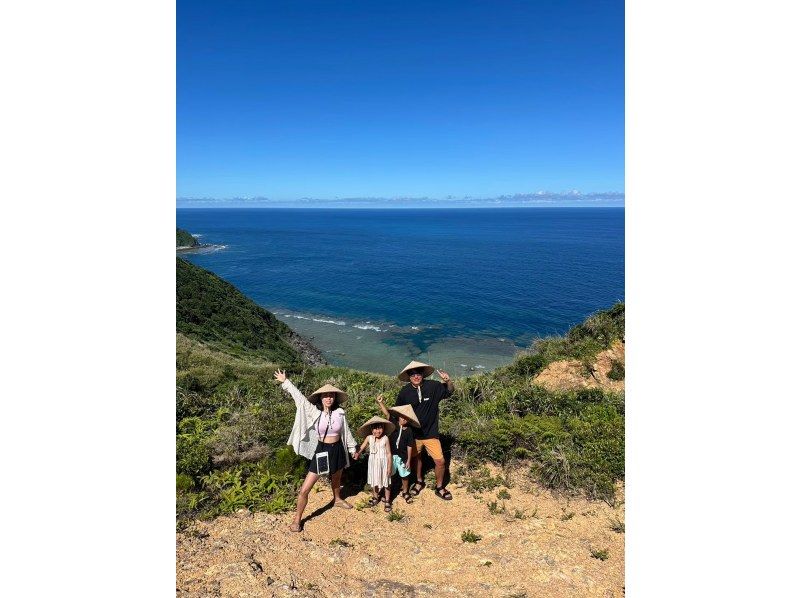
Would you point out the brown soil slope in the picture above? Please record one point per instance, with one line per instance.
(571, 374)
(547, 551)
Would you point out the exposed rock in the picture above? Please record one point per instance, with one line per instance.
(572, 374)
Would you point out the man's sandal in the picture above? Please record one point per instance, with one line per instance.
(443, 493)
(387, 507)
(417, 487)
(406, 496)
(374, 500)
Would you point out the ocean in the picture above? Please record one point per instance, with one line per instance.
(461, 289)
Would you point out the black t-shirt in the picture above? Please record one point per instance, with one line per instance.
(427, 410)
(405, 439)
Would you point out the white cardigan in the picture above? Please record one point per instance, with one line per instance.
(304, 436)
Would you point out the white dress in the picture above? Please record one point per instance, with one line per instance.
(378, 468)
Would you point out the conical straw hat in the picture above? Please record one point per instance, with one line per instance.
(366, 429)
(406, 411)
(315, 397)
(427, 370)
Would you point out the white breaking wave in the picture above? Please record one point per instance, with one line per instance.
(367, 327)
(337, 322)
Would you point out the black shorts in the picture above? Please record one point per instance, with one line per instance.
(337, 458)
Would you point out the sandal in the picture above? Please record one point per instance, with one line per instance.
(387, 507)
(374, 500)
(443, 493)
(406, 496)
(417, 487)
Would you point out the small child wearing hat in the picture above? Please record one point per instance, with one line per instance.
(379, 467)
(401, 442)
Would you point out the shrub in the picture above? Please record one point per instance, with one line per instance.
(183, 482)
(192, 454)
(395, 516)
(617, 371)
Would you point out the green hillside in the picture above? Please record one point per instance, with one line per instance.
(215, 312)
(184, 239)
(233, 419)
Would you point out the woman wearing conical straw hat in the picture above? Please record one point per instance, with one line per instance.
(321, 434)
(424, 396)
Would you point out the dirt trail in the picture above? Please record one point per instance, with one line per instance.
(546, 552)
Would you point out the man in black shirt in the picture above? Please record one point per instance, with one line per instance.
(424, 396)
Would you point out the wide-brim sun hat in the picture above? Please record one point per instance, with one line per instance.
(316, 396)
(366, 429)
(406, 411)
(427, 370)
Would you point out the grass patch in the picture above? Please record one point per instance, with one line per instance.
(567, 516)
(617, 525)
(340, 542)
(503, 494)
(396, 515)
(470, 536)
(494, 509)
(600, 554)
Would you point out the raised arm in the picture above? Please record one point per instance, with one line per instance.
(300, 401)
(379, 400)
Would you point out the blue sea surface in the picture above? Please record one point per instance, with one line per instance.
(512, 274)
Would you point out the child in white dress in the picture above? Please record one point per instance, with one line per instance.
(379, 467)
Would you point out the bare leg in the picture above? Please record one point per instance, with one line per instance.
(439, 469)
(336, 485)
(404, 481)
(302, 497)
(419, 466)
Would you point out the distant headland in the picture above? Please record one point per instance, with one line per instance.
(186, 242)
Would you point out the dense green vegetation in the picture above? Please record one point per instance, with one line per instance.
(184, 239)
(233, 419)
(215, 312)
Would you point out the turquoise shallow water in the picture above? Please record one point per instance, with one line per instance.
(462, 288)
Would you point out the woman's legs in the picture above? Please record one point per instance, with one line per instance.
(302, 497)
(336, 486)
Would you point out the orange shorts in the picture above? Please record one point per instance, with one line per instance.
(432, 445)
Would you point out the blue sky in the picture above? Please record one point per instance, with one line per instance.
(337, 100)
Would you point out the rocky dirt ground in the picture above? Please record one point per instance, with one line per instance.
(541, 545)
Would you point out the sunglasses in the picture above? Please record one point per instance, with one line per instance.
(414, 373)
